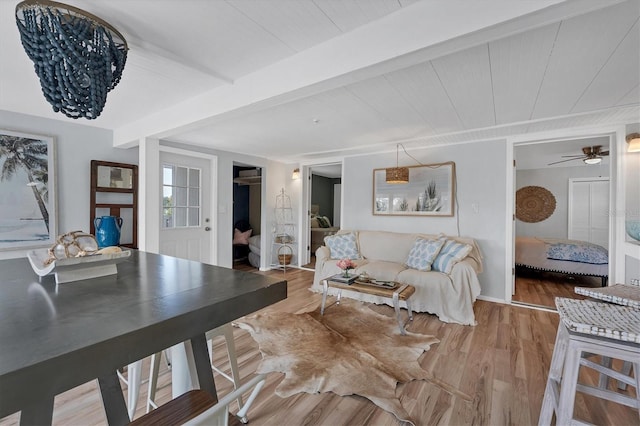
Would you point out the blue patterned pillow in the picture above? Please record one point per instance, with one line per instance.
(343, 246)
(423, 253)
(451, 253)
(578, 252)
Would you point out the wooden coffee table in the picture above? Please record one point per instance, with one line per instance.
(400, 292)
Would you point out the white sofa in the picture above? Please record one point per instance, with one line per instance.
(449, 296)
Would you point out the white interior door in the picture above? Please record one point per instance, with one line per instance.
(185, 226)
(589, 210)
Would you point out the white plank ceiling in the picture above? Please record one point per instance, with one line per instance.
(306, 79)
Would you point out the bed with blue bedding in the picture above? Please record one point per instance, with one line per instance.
(564, 256)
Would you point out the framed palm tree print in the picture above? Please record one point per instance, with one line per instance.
(27, 191)
(430, 191)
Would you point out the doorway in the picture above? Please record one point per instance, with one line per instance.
(550, 168)
(247, 216)
(324, 201)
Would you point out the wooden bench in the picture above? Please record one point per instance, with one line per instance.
(198, 407)
(179, 410)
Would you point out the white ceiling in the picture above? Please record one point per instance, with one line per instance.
(297, 80)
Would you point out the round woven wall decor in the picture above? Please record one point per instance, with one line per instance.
(534, 204)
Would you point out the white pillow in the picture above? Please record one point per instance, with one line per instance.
(343, 246)
(254, 240)
(451, 253)
(423, 253)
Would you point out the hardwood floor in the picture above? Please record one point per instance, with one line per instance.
(540, 288)
(502, 362)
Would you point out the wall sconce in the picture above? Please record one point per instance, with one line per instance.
(296, 174)
(397, 174)
(633, 140)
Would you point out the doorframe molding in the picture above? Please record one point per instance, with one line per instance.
(304, 234)
(615, 133)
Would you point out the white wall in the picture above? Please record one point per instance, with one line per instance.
(478, 182)
(556, 180)
(76, 145)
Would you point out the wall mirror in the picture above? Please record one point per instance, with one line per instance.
(114, 177)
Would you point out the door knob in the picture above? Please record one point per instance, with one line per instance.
(206, 228)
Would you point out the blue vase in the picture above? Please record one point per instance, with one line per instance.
(108, 230)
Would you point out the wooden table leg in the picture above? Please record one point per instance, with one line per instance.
(40, 413)
(203, 364)
(113, 400)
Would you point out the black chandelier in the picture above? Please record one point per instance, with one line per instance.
(78, 57)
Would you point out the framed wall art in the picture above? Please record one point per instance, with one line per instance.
(429, 192)
(27, 191)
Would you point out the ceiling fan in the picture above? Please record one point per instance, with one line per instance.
(590, 155)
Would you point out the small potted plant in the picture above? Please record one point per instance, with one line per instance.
(346, 265)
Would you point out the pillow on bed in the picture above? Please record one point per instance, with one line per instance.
(451, 253)
(578, 252)
(241, 237)
(254, 244)
(254, 240)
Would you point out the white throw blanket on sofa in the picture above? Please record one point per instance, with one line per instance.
(384, 254)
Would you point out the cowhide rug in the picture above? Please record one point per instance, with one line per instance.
(350, 350)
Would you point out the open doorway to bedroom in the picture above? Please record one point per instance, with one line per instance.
(324, 198)
(247, 214)
(561, 231)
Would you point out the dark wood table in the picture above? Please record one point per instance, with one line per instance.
(54, 338)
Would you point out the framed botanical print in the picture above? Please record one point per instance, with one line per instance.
(429, 192)
(27, 191)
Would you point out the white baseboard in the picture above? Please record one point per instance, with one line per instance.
(492, 299)
(517, 305)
